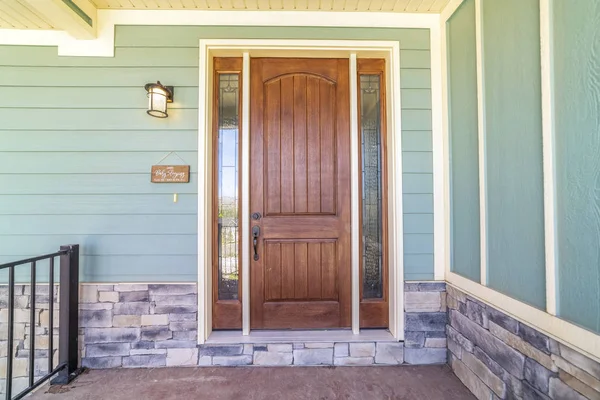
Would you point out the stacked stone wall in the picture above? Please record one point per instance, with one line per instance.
(498, 357)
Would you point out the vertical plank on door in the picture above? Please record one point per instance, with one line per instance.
(273, 174)
(313, 135)
(300, 175)
(273, 273)
(314, 270)
(328, 153)
(328, 271)
(301, 270)
(287, 145)
(287, 270)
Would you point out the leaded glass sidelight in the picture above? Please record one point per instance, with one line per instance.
(228, 186)
(371, 168)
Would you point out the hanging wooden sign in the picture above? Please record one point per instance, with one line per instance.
(170, 174)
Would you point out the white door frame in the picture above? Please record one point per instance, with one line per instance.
(352, 50)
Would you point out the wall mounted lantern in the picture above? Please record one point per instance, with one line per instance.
(158, 97)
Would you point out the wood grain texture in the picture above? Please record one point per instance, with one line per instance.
(577, 97)
(302, 280)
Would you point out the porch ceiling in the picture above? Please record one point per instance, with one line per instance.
(18, 14)
(421, 6)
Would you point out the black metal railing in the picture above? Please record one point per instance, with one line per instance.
(67, 367)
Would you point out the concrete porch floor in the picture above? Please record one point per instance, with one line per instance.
(305, 383)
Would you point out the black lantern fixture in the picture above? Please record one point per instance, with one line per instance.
(158, 97)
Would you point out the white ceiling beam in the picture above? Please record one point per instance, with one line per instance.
(76, 17)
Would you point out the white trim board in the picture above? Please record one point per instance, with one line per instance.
(570, 334)
(107, 20)
(208, 49)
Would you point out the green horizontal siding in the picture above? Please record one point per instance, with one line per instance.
(76, 148)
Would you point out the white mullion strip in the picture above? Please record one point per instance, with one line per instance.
(481, 122)
(355, 213)
(548, 145)
(204, 200)
(438, 154)
(245, 213)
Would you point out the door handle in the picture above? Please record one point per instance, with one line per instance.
(255, 235)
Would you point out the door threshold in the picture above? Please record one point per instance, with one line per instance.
(307, 336)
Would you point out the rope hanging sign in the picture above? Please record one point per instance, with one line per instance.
(170, 173)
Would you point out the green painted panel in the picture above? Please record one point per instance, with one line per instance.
(417, 203)
(419, 277)
(114, 140)
(78, 184)
(415, 183)
(577, 97)
(416, 120)
(99, 204)
(418, 243)
(90, 162)
(416, 263)
(464, 171)
(151, 224)
(101, 245)
(416, 99)
(142, 56)
(106, 77)
(419, 162)
(515, 203)
(412, 78)
(121, 119)
(75, 139)
(187, 36)
(417, 140)
(91, 97)
(418, 223)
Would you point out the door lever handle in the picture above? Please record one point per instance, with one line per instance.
(255, 235)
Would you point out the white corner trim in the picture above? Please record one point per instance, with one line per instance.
(446, 149)
(450, 8)
(107, 20)
(481, 127)
(439, 197)
(548, 146)
(355, 211)
(204, 201)
(570, 334)
(396, 207)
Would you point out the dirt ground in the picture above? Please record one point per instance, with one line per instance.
(306, 383)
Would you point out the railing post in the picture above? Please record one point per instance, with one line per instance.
(68, 314)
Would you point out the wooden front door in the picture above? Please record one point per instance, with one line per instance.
(300, 194)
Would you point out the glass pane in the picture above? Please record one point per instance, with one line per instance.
(371, 186)
(228, 235)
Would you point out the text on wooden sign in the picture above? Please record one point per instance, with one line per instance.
(170, 174)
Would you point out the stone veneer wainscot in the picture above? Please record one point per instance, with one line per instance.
(498, 357)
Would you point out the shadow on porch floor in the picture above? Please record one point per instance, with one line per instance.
(306, 383)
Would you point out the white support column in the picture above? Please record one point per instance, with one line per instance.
(245, 197)
(355, 190)
(479, 39)
(439, 230)
(548, 145)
